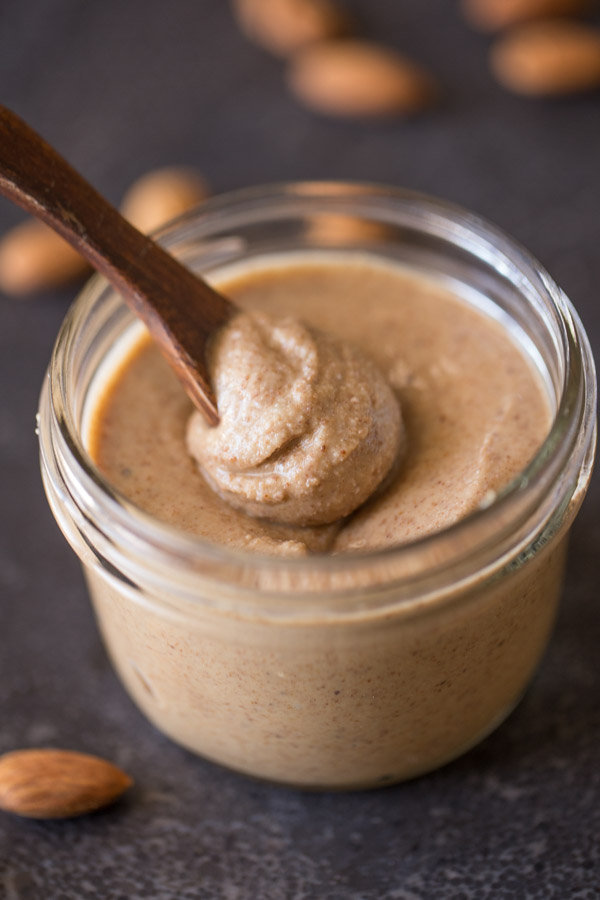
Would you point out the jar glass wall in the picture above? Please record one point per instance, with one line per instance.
(330, 671)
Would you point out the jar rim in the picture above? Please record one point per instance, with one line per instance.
(569, 443)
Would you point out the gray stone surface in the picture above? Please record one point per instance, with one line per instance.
(123, 86)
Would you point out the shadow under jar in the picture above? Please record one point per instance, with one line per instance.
(339, 671)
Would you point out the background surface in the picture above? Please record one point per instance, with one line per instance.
(120, 87)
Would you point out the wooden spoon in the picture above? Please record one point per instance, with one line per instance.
(181, 310)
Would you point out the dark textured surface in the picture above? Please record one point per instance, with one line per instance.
(119, 88)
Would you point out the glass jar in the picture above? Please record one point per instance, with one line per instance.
(330, 671)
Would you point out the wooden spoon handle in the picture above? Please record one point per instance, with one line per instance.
(180, 310)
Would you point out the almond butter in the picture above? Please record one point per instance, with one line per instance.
(358, 78)
(548, 58)
(284, 26)
(33, 257)
(161, 195)
(492, 15)
(57, 784)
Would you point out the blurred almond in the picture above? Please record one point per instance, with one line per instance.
(161, 195)
(58, 784)
(548, 59)
(336, 230)
(358, 78)
(284, 26)
(492, 15)
(33, 258)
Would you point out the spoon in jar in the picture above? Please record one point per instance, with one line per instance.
(308, 427)
(181, 311)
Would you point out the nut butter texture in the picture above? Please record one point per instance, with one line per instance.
(374, 694)
(474, 410)
(309, 427)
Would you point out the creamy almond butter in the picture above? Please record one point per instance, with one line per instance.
(310, 425)
(380, 645)
(308, 429)
(377, 691)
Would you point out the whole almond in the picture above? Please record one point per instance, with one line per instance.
(335, 230)
(492, 15)
(284, 26)
(548, 58)
(358, 78)
(161, 195)
(33, 257)
(57, 784)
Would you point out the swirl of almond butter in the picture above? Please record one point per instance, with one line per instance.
(309, 426)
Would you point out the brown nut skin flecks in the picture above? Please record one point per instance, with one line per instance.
(359, 79)
(58, 784)
(548, 59)
(309, 429)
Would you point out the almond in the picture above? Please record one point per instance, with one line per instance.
(548, 58)
(33, 257)
(336, 230)
(57, 784)
(492, 15)
(357, 78)
(161, 195)
(284, 26)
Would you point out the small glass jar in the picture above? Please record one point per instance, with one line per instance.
(330, 672)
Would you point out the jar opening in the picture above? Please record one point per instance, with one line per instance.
(427, 234)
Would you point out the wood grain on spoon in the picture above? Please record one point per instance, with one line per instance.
(181, 310)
